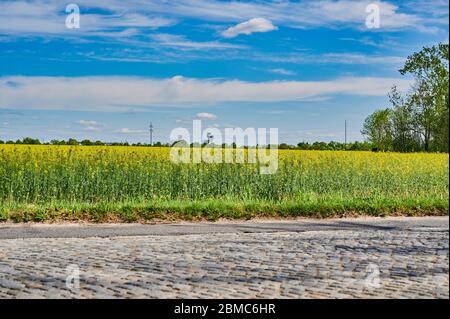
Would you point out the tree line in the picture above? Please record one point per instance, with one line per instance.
(318, 146)
(74, 142)
(417, 120)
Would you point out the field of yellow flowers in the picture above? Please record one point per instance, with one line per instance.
(44, 182)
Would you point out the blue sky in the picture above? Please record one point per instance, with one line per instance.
(303, 67)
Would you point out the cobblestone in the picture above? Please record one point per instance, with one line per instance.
(313, 264)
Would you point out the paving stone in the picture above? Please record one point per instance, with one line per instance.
(356, 263)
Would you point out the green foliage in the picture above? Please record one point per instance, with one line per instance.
(378, 129)
(30, 141)
(86, 143)
(72, 141)
(419, 120)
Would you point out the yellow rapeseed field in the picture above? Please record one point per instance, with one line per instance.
(77, 178)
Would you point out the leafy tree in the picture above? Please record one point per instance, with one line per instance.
(424, 113)
(405, 137)
(378, 129)
(86, 143)
(72, 141)
(30, 141)
(419, 120)
(358, 146)
(303, 146)
(430, 96)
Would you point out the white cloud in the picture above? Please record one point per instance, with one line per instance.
(356, 58)
(116, 93)
(126, 130)
(87, 122)
(25, 18)
(183, 121)
(89, 126)
(197, 51)
(282, 71)
(206, 116)
(386, 42)
(92, 129)
(300, 14)
(335, 58)
(249, 27)
(121, 20)
(273, 112)
(436, 10)
(180, 42)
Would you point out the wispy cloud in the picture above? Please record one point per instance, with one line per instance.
(301, 14)
(191, 51)
(248, 27)
(437, 11)
(113, 17)
(357, 58)
(87, 122)
(180, 42)
(28, 18)
(205, 116)
(282, 71)
(92, 129)
(336, 58)
(387, 42)
(127, 130)
(112, 93)
(273, 112)
(90, 126)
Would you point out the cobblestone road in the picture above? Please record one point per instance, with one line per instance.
(351, 263)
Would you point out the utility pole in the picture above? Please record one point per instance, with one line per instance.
(345, 141)
(151, 133)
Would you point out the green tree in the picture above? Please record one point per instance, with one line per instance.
(378, 129)
(405, 138)
(303, 146)
(86, 143)
(430, 96)
(419, 120)
(72, 141)
(30, 141)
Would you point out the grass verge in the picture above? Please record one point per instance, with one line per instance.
(212, 210)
